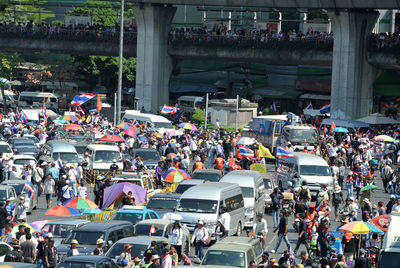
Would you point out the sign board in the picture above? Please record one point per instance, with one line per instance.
(259, 167)
(78, 20)
(316, 27)
(272, 27)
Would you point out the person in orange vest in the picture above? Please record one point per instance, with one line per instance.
(219, 162)
(198, 164)
(305, 149)
(232, 163)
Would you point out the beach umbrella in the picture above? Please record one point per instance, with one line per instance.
(114, 194)
(73, 127)
(111, 138)
(171, 156)
(340, 130)
(129, 132)
(40, 224)
(384, 138)
(382, 222)
(368, 187)
(188, 126)
(360, 227)
(68, 117)
(143, 139)
(174, 132)
(30, 226)
(125, 125)
(245, 141)
(61, 211)
(90, 210)
(80, 203)
(175, 175)
(61, 122)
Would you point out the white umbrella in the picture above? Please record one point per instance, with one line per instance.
(378, 119)
(245, 141)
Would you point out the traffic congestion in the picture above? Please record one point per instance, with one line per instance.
(154, 191)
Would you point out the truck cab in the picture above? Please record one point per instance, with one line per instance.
(301, 136)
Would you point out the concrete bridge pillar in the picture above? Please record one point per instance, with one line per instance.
(153, 64)
(352, 76)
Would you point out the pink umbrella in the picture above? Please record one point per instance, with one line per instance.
(39, 224)
(174, 133)
(130, 132)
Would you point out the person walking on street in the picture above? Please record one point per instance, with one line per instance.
(304, 192)
(282, 229)
(276, 197)
(51, 255)
(20, 209)
(28, 249)
(302, 238)
(260, 229)
(225, 218)
(177, 237)
(49, 189)
(199, 239)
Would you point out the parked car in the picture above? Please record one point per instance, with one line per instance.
(91, 261)
(233, 252)
(4, 249)
(134, 214)
(18, 141)
(30, 202)
(27, 149)
(207, 175)
(269, 185)
(18, 165)
(163, 203)
(144, 181)
(186, 184)
(7, 192)
(87, 235)
(162, 228)
(139, 246)
(61, 228)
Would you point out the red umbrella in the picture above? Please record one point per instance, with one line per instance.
(382, 222)
(73, 127)
(111, 138)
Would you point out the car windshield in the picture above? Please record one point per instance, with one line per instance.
(206, 176)
(248, 192)
(66, 157)
(197, 205)
(148, 155)
(127, 216)
(33, 138)
(224, 258)
(182, 188)
(24, 141)
(80, 149)
(18, 187)
(314, 170)
(76, 264)
(144, 229)
(137, 250)
(389, 259)
(3, 195)
(107, 156)
(84, 238)
(303, 135)
(24, 161)
(267, 184)
(162, 203)
(58, 230)
(163, 125)
(5, 149)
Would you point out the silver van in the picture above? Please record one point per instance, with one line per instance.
(252, 185)
(204, 202)
(304, 167)
(61, 150)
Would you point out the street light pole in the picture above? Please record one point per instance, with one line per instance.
(121, 50)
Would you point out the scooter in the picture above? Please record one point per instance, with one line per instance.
(373, 254)
(296, 222)
(314, 251)
(287, 205)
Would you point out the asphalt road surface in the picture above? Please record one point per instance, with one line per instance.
(378, 195)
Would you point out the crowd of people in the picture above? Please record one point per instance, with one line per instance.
(356, 160)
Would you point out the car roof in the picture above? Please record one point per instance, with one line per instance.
(192, 182)
(102, 225)
(103, 147)
(68, 222)
(166, 195)
(139, 209)
(86, 258)
(239, 240)
(310, 159)
(211, 188)
(213, 171)
(243, 173)
(8, 182)
(4, 143)
(23, 156)
(156, 221)
(17, 264)
(5, 187)
(230, 247)
(140, 239)
(61, 146)
(144, 149)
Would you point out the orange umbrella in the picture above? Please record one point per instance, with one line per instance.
(382, 222)
(111, 138)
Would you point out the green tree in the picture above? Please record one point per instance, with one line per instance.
(7, 62)
(198, 116)
(23, 13)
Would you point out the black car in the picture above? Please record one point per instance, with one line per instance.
(87, 235)
(163, 203)
(92, 261)
(213, 175)
(150, 157)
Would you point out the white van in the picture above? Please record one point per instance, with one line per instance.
(101, 157)
(204, 202)
(304, 167)
(61, 150)
(252, 185)
(190, 103)
(30, 98)
(151, 120)
(390, 253)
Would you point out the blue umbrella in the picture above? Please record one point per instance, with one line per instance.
(90, 210)
(341, 130)
(143, 139)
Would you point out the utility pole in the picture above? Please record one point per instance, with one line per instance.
(121, 50)
(206, 117)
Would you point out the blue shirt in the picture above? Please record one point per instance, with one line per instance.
(54, 172)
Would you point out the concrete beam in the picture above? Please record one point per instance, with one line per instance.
(325, 4)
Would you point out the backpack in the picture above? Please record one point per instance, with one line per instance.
(303, 193)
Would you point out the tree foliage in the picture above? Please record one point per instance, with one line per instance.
(7, 62)
(198, 116)
(23, 13)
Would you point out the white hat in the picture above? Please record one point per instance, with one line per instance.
(74, 241)
(200, 222)
(155, 257)
(49, 235)
(99, 241)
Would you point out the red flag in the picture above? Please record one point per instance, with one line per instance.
(333, 126)
(99, 105)
(324, 130)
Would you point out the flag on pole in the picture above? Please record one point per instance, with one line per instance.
(134, 122)
(282, 152)
(309, 106)
(44, 112)
(80, 99)
(24, 118)
(326, 109)
(245, 152)
(264, 152)
(324, 131)
(273, 107)
(99, 104)
(29, 188)
(166, 109)
(80, 110)
(333, 126)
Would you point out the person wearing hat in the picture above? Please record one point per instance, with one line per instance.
(98, 191)
(14, 255)
(350, 183)
(66, 191)
(114, 167)
(73, 251)
(220, 231)
(285, 259)
(337, 199)
(51, 254)
(99, 249)
(137, 263)
(260, 228)
(126, 255)
(199, 239)
(155, 262)
(20, 209)
(124, 263)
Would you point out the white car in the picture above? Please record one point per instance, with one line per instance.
(19, 161)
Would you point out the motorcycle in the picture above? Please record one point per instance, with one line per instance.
(373, 254)
(314, 251)
(287, 205)
(296, 222)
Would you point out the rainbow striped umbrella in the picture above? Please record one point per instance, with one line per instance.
(175, 175)
(61, 211)
(33, 228)
(188, 126)
(79, 203)
(360, 227)
(125, 125)
(68, 117)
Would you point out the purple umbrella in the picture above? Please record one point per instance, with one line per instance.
(114, 194)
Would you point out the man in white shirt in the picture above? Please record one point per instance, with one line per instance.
(260, 228)
(225, 219)
(200, 236)
(396, 207)
(72, 174)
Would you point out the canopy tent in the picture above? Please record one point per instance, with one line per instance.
(378, 119)
(351, 125)
(114, 194)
